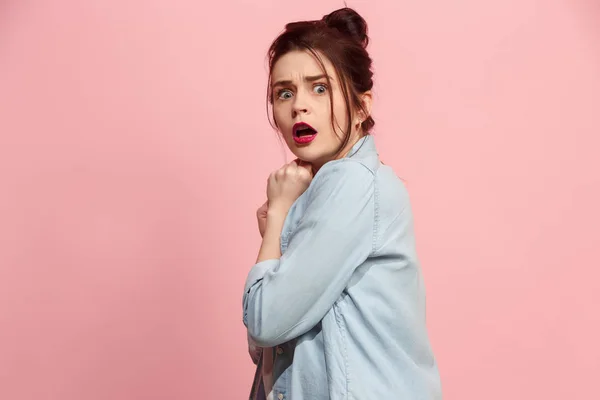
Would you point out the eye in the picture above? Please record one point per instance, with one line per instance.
(284, 94)
(320, 88)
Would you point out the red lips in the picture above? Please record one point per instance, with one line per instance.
(303, 133)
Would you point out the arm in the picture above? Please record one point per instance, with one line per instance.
(287, 296)
(270, 247)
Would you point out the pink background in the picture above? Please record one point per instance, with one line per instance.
(135, 149)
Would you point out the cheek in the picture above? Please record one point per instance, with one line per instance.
(279, 114)
(340, 113)
(282, 122)
(338, 103)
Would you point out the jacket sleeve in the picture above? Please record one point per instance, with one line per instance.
(284, 298)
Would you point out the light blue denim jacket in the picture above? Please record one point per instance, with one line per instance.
(344, 306)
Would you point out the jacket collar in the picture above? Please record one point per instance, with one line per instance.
(365, 151)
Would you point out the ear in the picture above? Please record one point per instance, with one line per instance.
(366, 99)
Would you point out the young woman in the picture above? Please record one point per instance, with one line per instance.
(336, 299)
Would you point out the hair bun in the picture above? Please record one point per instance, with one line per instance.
(349, 23)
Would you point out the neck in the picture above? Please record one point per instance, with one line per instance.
(316, 166)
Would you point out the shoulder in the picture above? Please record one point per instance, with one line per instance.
(344, 174)
(345, 167)
(342, 190)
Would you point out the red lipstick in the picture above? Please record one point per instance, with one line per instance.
(303, 133)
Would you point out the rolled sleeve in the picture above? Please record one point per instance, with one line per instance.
(254, 276)
(287, 297)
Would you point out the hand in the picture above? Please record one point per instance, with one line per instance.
(254, 351)
(261, 216)
(287, 184)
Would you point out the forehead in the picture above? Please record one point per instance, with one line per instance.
(297, 64)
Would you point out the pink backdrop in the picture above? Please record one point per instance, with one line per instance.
(135, 148)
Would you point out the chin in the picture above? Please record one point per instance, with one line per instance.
(304, 156)
(311, 156)
(313, 153)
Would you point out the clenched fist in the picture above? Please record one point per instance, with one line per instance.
(286, 184)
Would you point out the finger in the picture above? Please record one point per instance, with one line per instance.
(303, 164)
(290, 168)
(307, 166)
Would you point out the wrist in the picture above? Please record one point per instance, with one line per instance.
(270, 247)
(277, 212)
(275, 221)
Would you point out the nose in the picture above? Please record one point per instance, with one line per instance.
(300, 105)
(296, 111)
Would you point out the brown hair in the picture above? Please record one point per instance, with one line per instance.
(341, 37)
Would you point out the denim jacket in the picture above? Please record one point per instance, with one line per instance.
(343, 309)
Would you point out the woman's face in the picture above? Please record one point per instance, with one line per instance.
(302, 108)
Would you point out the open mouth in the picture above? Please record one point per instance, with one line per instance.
(303, 132)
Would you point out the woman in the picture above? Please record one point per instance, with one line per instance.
(336, 298)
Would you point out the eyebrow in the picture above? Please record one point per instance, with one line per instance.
(307, 79)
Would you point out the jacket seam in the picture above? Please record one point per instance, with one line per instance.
(376, 216)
